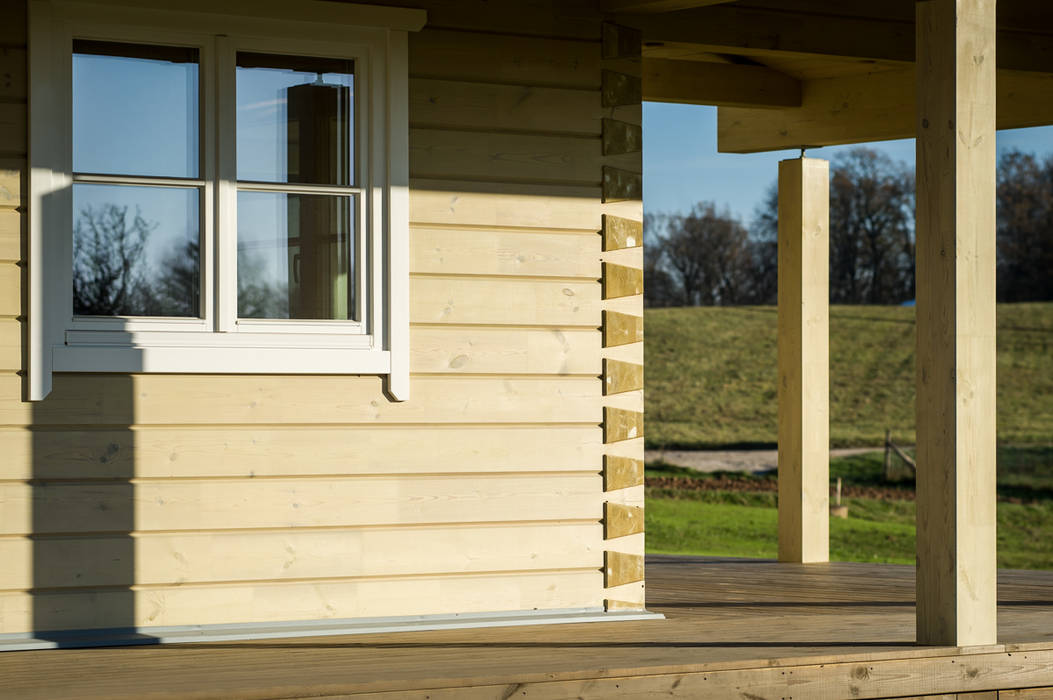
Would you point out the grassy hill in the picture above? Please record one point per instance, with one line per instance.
(710, 375)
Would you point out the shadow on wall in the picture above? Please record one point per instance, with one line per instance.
(83, 512)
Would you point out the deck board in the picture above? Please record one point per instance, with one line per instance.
(723, 615)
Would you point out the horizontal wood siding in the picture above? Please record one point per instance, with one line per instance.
(197, 499)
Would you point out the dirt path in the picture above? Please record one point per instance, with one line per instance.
(749, 461)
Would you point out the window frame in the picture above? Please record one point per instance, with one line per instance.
(375, 38)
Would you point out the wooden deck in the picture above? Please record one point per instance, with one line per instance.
(735, 628)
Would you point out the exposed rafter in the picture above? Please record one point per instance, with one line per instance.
(872, 107)
(722, 84)
(760, 32)
(649, 6)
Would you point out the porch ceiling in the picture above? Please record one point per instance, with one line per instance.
(852, 61)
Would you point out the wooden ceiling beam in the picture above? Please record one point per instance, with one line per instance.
(760, 32)
(871, 107)
(651, 6)
(721, 84)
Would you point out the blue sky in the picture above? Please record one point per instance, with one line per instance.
(682, 166)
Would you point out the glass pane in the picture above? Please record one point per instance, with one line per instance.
(135, 109)
(295, 119)
(295, 256)
(136, 251)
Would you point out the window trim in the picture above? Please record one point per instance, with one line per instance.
(57, 343)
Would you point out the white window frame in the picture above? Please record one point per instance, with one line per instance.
(375, 38)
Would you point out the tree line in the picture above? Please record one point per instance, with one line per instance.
(708, 257)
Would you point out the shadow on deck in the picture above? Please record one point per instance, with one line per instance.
(736, 628)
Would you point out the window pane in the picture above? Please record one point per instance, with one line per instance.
(295, 256)
(135, 109)
(136, 251)
(295, 119)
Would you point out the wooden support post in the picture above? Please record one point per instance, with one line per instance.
(804, 310)
(956, 322)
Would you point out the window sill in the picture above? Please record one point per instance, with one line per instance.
(220, 360)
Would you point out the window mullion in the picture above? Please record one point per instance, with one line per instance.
(226, 236)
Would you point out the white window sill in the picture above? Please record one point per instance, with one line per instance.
(228, 359)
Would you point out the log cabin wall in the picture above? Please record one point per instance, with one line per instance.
(511, 479)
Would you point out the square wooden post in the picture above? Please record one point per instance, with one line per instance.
(804, 360)
(956, 583)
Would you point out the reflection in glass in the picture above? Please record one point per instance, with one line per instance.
(135, 109)
(295, 256)
(295, 119)
(136, 251)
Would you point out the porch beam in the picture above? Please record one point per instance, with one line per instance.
(649, 6)
(869, 107)
(956, 578)
(778, 32)
(722, 84)
(804, 361)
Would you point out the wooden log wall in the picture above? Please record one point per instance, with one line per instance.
(153, 500)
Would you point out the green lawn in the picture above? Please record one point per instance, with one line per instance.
(743, 523)
(875, 531)
(710, 375)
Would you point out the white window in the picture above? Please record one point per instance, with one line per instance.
(220, 194)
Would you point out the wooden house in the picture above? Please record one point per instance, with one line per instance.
(321, 318)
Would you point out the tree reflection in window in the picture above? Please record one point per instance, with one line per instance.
(113, 275)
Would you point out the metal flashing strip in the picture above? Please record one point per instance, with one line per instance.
(135, 636)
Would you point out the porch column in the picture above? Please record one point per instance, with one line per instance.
(956, 322)
(804, 360)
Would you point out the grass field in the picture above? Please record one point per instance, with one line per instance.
(710, 375)
(685, 519)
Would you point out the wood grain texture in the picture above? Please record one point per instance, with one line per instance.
(804, 360)
(292, 503)
(621, 520)
(620, 424)
(260, 452)
(11, 181)
(619, 377)
(720, 84)
(472, 350)
(454, 104)
(621, 329)
(10, 234)
(503, 204)
(505, 59)
(621, 281)
(620, 185)
(218, 557)
(505, 302)
(956, 322)
(10, 289)
(839, 626)
(502, 156)
(620, 233)
(302, 600)
(115, 400)
(620, 568)
(473, 251)
(622, 472)
(870, 107)
(10, 344)
(620, 89)
(621, 137)
(618, 41)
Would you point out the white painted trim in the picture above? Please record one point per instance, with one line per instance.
(397, 192)
(219, 360)
(377, 344)
(314, 628)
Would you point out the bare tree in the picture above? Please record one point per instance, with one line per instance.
(108, 249)
(1025, 228)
